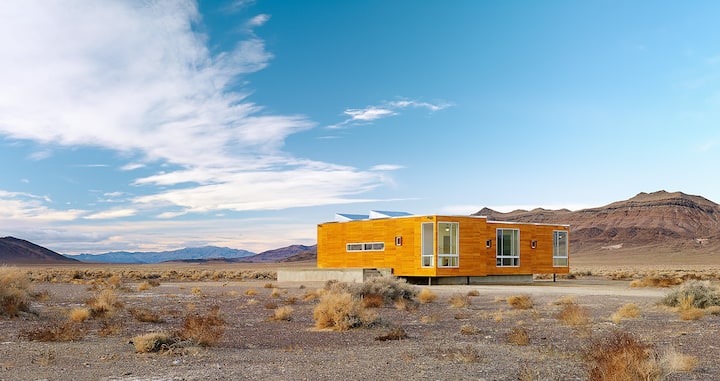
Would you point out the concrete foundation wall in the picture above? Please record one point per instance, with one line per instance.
(354, 275)
(458, 280)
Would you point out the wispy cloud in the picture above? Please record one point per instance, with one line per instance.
(18, 208)
(387, 167)
(137, 77)
(386, 109)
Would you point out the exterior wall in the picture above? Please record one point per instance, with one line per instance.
(475, 259)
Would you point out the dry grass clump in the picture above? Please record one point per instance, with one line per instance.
(620, 356)
(205, 330)
(373, 301)
(268, 285)
(251, 292)
(389, 287)
(104, 304)
(473, 293)
(153, 342)
(79, 314)
(678, 362)
(656, 281)
(687, 309)
(459, 301)
(520, 302)
(467, 354)
(67, 331)
(574, 315)
(395, 334)
(629, 310)
(144, 315)
(282, 314)
(702, 292)
(467, 329)
(341, 311)
(518, 336)
(14, 291)
(567, 299)
(426, 295)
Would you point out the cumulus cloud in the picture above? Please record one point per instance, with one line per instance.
(138, 78)
(386, 109)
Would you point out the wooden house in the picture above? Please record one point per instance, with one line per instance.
(443, 249)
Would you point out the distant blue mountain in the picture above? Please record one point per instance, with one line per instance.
(205, 252)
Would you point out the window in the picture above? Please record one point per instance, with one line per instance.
(560, 248)
(508, 248)
(448, 244)
(368, 246)
(427, 254)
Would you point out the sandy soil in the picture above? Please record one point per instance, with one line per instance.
(253, 347)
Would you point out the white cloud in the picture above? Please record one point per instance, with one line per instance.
(371, 113)
(258, 20)
(137, 77)
(387, 167)
(23, 208)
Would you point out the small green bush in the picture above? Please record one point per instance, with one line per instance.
(703, 294)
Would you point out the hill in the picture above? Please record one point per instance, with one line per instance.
(196, 253)
(666, 222)
(17, 251)
(284, 254)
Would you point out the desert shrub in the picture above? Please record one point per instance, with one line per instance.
(473, 293)
(197, 291)
(702, 292)
(67, 331)
(395, 334)
(467, 354)
(687, 309)
(426, 295)
(519, 336)
(152, 342)
(115, 281)
(146, 316)
(677, 362)
(79, 314)
(341, 311)
(620, 356)
(251, 292)
(429, 319)
(629, 310)
(270, 305)
(205, 330)
(459, 301)
(291, 300)
(656, 281)
(282, 313)
(275, 293)
(14, 291)
(389, 287)
(144, 286)
(468, 329)
(268, 285)
(520, 302)
(373, 301)
(567, 299)
(573, 314)
(403, 304)
(104, 303)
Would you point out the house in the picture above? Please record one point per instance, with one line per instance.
(439, 249)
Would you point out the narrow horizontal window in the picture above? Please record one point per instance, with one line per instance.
(366, 246)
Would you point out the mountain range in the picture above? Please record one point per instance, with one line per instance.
(19, 251)
(666, 222)
(205, 252)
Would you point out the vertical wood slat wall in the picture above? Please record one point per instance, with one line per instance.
(475, 259)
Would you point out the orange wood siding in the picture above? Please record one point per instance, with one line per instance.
(475, 259)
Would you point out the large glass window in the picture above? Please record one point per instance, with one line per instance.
(508, 248)
(427, 254)
(560, 248)
(448, 244)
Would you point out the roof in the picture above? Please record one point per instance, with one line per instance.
(387, 214)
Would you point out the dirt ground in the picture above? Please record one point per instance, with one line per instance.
(443, 342)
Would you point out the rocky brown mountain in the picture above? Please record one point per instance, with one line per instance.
(18, 251)
(669, 222)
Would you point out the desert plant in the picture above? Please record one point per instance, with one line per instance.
(341, 311)
(703, 294)
(520, 302)
(144, 286)
(152, 342)
(687, 309)
(373, 301)
(459, 301)
(426, 295)
(197, 291)
(15, 293)
(79, 314)
(468, 329)
(389, 287)
(620, 356)
(67, 331)
(629, 310)
(467, 354)
(573, 314)
(251, 292)
(395, 334)
(473, 293)
(674, 361)
(205, 330)
(518, 336)
(144, 315)
(282, 313)
(104, 303)
(268, 285)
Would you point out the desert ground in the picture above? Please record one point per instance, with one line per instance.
(235, 322)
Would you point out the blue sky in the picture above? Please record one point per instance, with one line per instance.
(134, 125)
